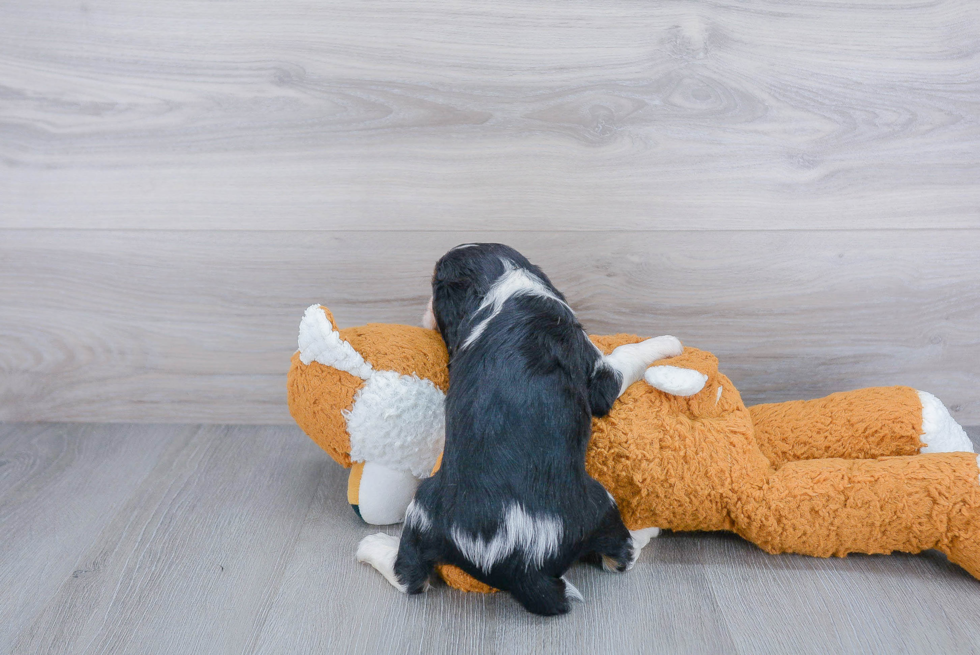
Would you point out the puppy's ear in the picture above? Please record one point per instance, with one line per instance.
(603, 390)
(455, 295)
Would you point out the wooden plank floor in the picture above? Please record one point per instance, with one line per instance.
(238, 539)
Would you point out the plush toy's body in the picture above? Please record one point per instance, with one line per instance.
(853, 472)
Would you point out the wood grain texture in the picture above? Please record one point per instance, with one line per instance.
(174, 326)
(212, 525)
(239, 539)
(59, 488)
(475, 115)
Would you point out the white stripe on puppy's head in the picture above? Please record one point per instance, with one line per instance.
(473, 281)
(514, 282)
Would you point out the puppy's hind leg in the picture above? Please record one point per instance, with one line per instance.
(412, 566)
(543, 594)
(612, 544)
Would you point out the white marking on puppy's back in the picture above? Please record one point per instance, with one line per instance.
(536, 537)
(514, 282)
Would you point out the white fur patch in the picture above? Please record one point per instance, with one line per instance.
(537, 537)
(675, 380)
(940, 432)
(718, 396)
(417, 518)
(572, 592)
(514, 282)
(380, 550)
(319, 342)
(632, 359)
(399, 421)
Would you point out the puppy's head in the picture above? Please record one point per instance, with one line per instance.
(460, 282)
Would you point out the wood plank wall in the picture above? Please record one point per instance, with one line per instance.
(792, 185)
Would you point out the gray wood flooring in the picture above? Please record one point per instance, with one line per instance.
(237, 539)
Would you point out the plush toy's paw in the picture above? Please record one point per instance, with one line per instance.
(940, 433)
(641, 538)
(380, 550)
(663, 347)
(675, 381)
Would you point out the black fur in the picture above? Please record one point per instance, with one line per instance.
(518, 421)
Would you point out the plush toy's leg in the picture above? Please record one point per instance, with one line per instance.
(630, 361)
(862, 424)
(837, 506)
(380, 551)
(378, 494)
(400, 561)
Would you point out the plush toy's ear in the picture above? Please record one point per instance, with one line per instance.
(319, 341)
(325, 375)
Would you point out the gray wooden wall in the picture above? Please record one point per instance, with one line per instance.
(792, 185)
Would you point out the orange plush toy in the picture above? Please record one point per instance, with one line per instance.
(869, 471)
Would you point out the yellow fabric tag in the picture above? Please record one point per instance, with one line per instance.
(354, 482)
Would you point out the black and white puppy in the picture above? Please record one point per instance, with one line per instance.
(512, 504)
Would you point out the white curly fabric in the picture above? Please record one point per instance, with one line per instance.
(940, 433)
(399, 421)
(319, 342)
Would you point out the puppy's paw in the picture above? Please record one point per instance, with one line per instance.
(617, 565)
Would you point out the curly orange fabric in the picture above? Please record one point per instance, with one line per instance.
(862, 424)
(823, 477)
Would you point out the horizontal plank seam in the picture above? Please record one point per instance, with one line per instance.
(488, 230)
